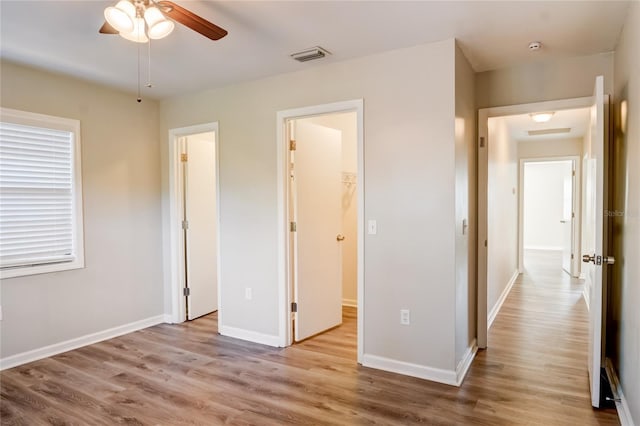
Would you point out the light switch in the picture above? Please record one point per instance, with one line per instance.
(372, 227)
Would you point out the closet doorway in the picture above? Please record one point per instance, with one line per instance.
(322, 210)
(194, 222)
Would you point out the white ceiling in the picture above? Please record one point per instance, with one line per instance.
(575, 119)
(63, 36)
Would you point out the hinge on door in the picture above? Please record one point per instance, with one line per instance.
(293, 227)
(571, 256)
(573, 172)
(292, 145)
(184, 158)
(482, 142)
(294, 307)
(185, 224)
(485, 243)
(573, 215)
(186, 291)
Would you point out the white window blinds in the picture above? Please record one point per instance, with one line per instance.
(36, 195)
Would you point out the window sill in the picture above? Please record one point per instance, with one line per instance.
(41, 269)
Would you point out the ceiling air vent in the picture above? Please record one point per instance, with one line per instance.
(310, 54)
(549, 131)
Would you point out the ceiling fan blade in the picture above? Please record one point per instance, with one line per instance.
(107, 29)
(191, 20)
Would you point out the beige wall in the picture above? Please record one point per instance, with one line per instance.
(502, 215)
(409, 179)
(348, 125)
(465, 204)
(543, 81)
(550, 148)
(122, 280)
(623, 331)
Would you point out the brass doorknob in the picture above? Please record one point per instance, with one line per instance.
(339, 237)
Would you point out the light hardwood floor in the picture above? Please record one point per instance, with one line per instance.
(534, 373)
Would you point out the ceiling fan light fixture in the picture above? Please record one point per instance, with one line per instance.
(138, 34)
(542, 117)
(158, 26)
(121, 16)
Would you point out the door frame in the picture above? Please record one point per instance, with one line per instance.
(175, 269)
(575, 206)
(285, 336)
(482, 202)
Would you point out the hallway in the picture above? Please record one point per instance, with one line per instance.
(535, 368)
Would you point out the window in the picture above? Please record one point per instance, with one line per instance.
(40, 194)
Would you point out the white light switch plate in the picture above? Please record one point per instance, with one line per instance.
(372, 227)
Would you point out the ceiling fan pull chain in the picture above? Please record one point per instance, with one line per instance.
(139, 98)
(149, 84)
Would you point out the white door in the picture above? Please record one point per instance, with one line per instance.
(567, 222)
(593, 244)
(201, 218)
(318, 216)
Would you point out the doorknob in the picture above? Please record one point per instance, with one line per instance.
(598, 260)
(339, 237)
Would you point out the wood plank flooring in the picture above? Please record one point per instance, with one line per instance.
(534, 373)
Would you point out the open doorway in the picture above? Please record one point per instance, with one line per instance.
(549, 212)
(322, 208)
(194, 223)
(498, 213)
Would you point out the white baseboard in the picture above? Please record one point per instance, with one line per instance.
(465, 362)
(496, 308)
(251, 336)
(168, 319)
(353, 303)
(447, 377)
(68, 345)
(624, 413)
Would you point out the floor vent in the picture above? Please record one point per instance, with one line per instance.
(310, 54)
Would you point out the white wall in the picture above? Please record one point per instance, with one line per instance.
(544, 204)
(348, 125)
(465, 205)
(502, 215)
(122, 280)
(624, 341)
(409, 185)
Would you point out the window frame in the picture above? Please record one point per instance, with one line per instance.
(25, 118)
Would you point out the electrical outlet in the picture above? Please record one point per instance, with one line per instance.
(405, 317)
(247, 293)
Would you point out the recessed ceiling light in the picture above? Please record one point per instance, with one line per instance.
(541, 117)
(535, 45)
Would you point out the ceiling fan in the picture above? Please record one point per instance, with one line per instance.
(140, 20)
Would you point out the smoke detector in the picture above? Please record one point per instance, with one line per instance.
(310, 54)
(535, 45)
